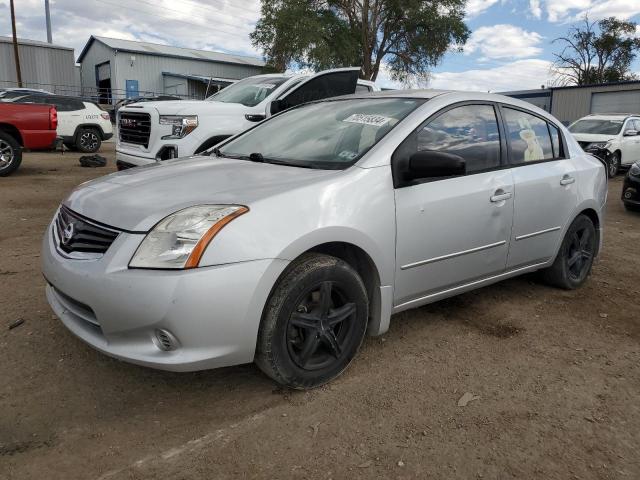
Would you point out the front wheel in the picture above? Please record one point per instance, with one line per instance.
(575, 258)
(10, 154)
(314, 322)
(613, 165)
(88, 140)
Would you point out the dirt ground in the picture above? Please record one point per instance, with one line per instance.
(556, 374)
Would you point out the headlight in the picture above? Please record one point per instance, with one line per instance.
(598, 145)
(634, 171)
(179, 241)
(181, 125)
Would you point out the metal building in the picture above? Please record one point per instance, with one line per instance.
(113, 69)
(43, 65)
(568, 104)
(571, 103)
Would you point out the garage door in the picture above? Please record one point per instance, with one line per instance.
(616, 102)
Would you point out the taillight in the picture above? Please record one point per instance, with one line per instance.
(105, 116)
(53, 118)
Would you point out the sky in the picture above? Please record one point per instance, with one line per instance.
(510, 47)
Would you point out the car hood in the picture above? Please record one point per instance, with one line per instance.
(196, 107)
(592, 137)
(137, 199)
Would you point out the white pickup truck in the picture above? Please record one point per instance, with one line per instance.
(156, 131)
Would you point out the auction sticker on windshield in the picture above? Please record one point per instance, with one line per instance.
(365, 119)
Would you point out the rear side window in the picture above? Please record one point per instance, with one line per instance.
(470, 131)
(528, 136)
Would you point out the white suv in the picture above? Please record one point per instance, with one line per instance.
(618, 133)
(81, 125)
(156, 131)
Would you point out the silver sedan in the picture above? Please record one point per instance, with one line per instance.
(286, 244)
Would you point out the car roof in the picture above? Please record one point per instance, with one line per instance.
(607, 116)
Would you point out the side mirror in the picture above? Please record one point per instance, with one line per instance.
(630, 133)
(277, 106)
(431, 163)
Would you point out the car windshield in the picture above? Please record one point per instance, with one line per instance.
(327, 135)
(249, 92)
(598, 127)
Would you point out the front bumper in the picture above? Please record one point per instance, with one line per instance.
(631, 191)
(213, 312)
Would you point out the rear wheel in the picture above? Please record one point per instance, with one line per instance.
(575, 258)
(10, 154)
(613, 165)
(314, 322)
(88, 140)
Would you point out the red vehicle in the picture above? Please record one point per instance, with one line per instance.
(24, 126)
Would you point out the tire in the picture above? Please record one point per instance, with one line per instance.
(314, 322)
(10, 154)
(573, 264)
(88, 140)
(632, 208)
(613, 165)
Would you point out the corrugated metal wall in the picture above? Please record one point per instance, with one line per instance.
(41, 67)
(97, 54)
(147, 69)
(570, 104)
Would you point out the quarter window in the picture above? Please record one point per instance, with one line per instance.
(555, 142)
(470, 131)
(528, 136)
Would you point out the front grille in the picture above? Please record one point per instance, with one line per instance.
(135, 127)
(76, 234)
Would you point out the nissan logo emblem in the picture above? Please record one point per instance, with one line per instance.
(67, 234)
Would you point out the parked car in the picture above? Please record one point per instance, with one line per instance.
(616, 132)
(631, 188)
(12, 93)
(82, 125)
(155, 131)
(312, 228)
(24, 126)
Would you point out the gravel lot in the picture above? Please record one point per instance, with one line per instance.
(556, 374)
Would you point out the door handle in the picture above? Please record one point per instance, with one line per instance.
(567, 180)
(500, 195)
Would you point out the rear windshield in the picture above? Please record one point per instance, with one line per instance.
(598, 127)
(326, 135)
(249, 92)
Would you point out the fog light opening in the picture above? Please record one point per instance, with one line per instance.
(165, 340)
(628, 194)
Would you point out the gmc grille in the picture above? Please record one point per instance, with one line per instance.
(135, 128)
(75, 234)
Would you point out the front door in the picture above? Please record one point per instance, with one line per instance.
(451, 231)
(545, 187)
(631, 144)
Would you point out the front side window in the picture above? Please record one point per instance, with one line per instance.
(250, 91)
(328, 135)
(528, 137)
(597, 127)
(470, 132)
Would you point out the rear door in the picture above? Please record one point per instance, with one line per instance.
(330, 83)
(631, 144)
(545, 189)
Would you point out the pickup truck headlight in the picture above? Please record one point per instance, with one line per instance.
(181, 125)
(634, 171)
(179, 241)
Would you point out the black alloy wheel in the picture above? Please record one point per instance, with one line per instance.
(320, 327)
(580, 254)
(313, 323)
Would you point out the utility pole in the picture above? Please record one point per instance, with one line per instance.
(15, 44)
(47, 13)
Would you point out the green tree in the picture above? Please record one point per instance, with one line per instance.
(597, 52)
(410, 36)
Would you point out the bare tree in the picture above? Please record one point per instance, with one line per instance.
(596, 52)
